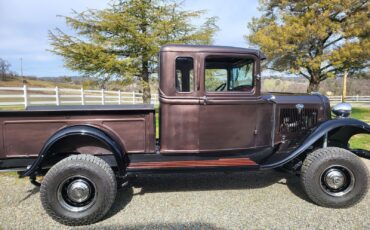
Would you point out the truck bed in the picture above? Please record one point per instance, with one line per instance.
(23, 133)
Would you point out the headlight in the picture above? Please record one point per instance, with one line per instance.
(342, 110)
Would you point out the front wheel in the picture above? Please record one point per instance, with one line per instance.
(78, 190)
(334, 177)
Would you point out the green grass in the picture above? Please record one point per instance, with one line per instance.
(11, 174)
(18, 82)
(157, 121)
(361, 141)
(361, 113)
(12, 108)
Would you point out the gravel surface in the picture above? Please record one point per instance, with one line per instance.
(256, 200)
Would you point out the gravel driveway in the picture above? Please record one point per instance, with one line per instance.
(257, 200)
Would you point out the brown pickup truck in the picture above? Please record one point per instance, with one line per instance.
(212, 116)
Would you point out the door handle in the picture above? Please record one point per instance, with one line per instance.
(203, 100)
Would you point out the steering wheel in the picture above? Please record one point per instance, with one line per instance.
(221, 87)
(242, 88)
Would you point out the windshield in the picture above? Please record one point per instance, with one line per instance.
(228, 74)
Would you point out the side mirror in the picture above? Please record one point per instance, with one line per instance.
(342, 110)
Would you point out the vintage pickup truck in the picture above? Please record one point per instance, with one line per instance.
(212, 117)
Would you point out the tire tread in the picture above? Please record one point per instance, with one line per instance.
(329, 153)
(78, 160)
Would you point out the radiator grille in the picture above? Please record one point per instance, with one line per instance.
(293, 120)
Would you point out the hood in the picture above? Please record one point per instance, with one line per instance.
(296, 114)
(292, 99)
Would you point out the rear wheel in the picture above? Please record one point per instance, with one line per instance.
(78, 190)
(334, 177)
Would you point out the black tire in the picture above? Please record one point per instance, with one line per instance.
(87, 175)
(334, 177)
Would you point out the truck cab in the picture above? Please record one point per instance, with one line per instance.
(211, 103)
(210, 100)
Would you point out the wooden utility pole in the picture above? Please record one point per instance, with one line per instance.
(344, 93)
(22, 67)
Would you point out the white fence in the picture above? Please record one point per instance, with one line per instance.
(352, 99)
(25, 96)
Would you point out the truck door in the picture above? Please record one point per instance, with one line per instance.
(232, 112)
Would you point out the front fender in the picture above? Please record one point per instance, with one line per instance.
(88, 130)
(337, 130)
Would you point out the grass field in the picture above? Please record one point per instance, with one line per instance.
(18, 82)
(361, 141)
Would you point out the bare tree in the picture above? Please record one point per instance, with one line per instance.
(4, 69)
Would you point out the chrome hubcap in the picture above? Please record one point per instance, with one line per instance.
(334, 178)
(77, 194)
(79, 191)
(337, 180)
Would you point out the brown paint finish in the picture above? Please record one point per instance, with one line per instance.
(228, 130)
(201, 121)
(263, 125)
(27, 131)
(26, 137)
(128, 129)
(195, 123)
(179, 130)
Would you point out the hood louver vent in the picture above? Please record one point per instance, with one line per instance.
(294, 120)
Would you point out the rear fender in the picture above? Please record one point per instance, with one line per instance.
(78, 130)
(337, 130)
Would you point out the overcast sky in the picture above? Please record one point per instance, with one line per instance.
(24, 26)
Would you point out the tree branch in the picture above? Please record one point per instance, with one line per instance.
(304, 75)
(325, 67)
(333, 42)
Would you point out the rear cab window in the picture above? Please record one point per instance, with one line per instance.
(184, 74)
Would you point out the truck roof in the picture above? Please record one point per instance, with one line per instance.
(211, 49)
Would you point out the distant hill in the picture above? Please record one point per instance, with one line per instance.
(36, 82)
(72, 82)
(333, 86)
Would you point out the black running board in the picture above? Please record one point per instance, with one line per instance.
(361, 153)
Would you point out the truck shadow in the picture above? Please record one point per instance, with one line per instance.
(216, 181)
(30, 193)
(205, 181)
(186, 182)
(171, 225)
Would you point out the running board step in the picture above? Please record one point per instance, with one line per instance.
(361, 153)
(193, 164)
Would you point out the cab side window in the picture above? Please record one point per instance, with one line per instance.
(228, 74)
(184, 74)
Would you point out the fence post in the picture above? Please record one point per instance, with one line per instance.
(119, 97)
(102, 97)
(82, 96)
(57, 100)
(133, 97)
(25, 96)
(357, 97)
